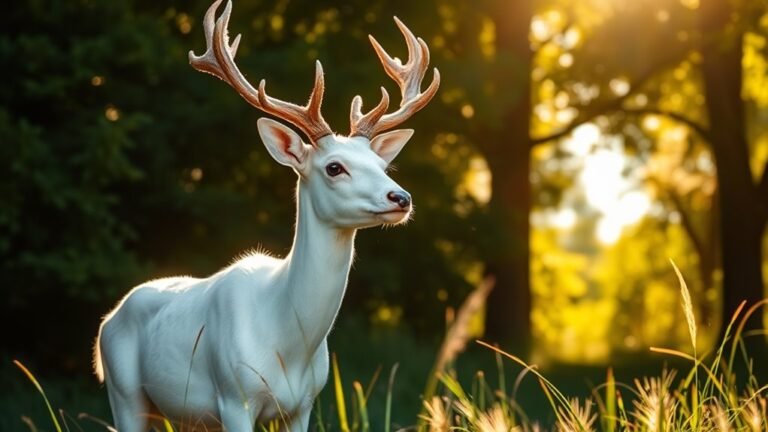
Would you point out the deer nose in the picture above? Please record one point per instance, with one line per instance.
(401, 198)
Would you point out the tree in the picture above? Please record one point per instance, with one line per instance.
(743, 203)
(710, 37)
(506, 145)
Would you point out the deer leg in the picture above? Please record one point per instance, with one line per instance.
(300, 422)
(129, 409)
(236, 415)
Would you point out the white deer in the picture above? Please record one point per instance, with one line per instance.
(249, 344)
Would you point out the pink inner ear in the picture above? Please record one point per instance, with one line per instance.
(285, 140)
(384, 144)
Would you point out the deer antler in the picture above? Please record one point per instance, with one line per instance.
(408, 77)
(219, 60)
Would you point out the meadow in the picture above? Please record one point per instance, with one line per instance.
(394, 383)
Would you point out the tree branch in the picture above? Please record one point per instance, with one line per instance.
(699, 245)
(699, 128)
(687, 223)
(590, 112)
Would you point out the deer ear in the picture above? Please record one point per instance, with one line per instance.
(389, 144)
(283, 144)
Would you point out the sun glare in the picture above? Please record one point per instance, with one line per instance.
(602, 180)
(620, 200)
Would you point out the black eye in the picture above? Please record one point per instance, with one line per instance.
(334, 168)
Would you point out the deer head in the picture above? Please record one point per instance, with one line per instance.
(346, 175)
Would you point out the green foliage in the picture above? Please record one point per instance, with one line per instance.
(64, 157)
(124, 164)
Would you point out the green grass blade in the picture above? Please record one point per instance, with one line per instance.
(167, 425)
(40, 390)
(555, 392)
(481, 387)
(740, 328)
(318, 410)
(552, 403)
(64, 420)
(388, 408)
(362, 406)
(624, 418)
(609, 418)
(695, 406)
(453, 386)
(372, 383)
(191, 358)
(341, 406)
(30, 424)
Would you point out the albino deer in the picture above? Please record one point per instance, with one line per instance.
(248, 344)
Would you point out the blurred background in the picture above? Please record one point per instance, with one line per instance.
(574, 148)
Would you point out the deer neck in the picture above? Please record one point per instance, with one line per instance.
(317, 271)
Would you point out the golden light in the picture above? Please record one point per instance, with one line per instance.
(628, 210)
(690, 4)
(619, 201)
(477, 180)
(619, 86)
(184, 23)
(543, 112)
(196, 174)
(564, 219)
(565, 60)
(111, 113)
(276, 22)
(442, 295)
(571, 38)
(582, 140)
(487, 38)
(562, 100)
(540, 29)
(467, 111)
(565, 116)
(651, 123)
(97, 80)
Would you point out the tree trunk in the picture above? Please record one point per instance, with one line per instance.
(742, 213)
(507, 150)
(509, 304)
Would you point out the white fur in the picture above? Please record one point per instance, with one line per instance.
(261, 324)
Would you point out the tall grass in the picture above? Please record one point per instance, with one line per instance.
(707, 396)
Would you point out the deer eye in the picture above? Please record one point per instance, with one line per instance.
(334, 168)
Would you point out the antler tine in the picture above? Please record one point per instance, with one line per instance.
(219, 60)
(409, 107)
(361, 123)
(308, 118)
(208, 62)
(408, 76)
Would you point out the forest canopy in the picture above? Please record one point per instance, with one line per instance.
(574, 149)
